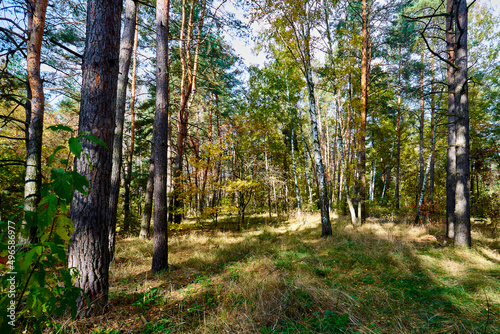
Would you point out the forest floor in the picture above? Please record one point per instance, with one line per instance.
(383, 277)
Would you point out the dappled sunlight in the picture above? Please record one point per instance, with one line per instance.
(443, 265)
(286, 276)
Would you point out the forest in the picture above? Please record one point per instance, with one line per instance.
(152, 180)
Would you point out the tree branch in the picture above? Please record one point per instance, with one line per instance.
(13, 138)
(435, 53)
(425, 16)
(74, 53)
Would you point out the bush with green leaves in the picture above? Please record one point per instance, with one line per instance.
(37, 286)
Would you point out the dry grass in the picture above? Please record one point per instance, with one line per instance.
(383, 277)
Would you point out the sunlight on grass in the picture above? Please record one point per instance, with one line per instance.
(377, 278)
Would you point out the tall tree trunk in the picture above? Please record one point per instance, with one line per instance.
(160, 238)
(269, 207)
(451, 158)
(33, 179)
(128, 176)
(326, 227)
(89, 249)
(365, 77)
(126, 47)
(421, 126)
(433, 129)
(398, 154)
(462, 191)
(309, 190)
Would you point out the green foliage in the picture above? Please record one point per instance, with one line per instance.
(330, 322)
(159, 327)
(43, 283)
(325, 322)
(150, 297)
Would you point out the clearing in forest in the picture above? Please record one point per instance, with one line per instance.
(384, 277)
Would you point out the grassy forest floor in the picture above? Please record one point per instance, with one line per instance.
(384, 277)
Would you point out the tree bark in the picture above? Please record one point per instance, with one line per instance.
(326, 227)
(433, 129)
(462, 191)
(89, 249)
(148, 202)
(160, 142)
(365, 74)
(126, 47)
(372, 180)
(398, 152)
(306, 166)
(421, 126)
(451, 158)
(33, 179)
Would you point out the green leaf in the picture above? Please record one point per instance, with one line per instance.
(94, 139)
(64, 208)
(61, 183)
(31, 218)
(75, 146)
(80, 182)
(27, 260)
(66, 276)
(64, 227)
(46, 210)
(44, 191)
(60, 127)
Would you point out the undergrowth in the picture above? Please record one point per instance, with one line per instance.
(384, 277)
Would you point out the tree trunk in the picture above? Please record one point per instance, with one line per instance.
(421, 126)
(160, 238)
(433, 129)
(89, 249)
(128, 176)
(148, 202)
(126, 47)
(365, 74)
(462, 191)
(33, 179)
(372, 180)
(326, 227)
(309, 190)
(451, 158)
(269, 207)
(398, 154)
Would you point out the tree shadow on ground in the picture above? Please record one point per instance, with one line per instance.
(293, 281)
